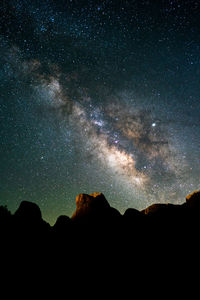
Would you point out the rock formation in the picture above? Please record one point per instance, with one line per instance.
(100, 219)
(98, 241)
(93, 206)
(28, 211)
(193, 200)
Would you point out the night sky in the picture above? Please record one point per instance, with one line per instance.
(99, 96)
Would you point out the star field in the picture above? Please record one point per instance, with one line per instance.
(99, 96)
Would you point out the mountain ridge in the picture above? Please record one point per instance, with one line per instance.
(100, 239)
(95, 209)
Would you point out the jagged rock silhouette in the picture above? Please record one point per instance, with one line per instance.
(132, 213)
(62, 227)
(100, 240)
(28, 222)
(87, 205)
(162, 210)
(29, 211)
(93, 207)
(95, 219)
(193, 200)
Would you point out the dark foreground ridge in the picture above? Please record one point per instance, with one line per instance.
(98, 244)
(95, 222)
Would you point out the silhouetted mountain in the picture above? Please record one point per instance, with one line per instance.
(95, 224)
(29, 212)
(193, 201)
(134, 221)
(161, 210)
(4, 212)
(93, 207)
(62, 224)
(98, 245)
(132, 213)
(28, 218)
(5, 220)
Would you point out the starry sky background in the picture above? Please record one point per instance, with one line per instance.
(99, 96)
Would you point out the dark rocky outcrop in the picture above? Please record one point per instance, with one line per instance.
(62, 226)
(96, 224)
(193, 201)
(88, 205)
(161, 210)
(93, 207)
(29, 211)
(131, 213)
(99, 242)
(27, 222)
(4, 212)
(62, 222)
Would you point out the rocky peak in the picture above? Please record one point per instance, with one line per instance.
(29, 210)
(92, 204)
(193, 200)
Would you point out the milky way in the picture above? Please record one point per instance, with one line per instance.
(99, 97)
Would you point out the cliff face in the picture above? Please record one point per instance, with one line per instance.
(88, 205)
(94, 208)
(193, 200)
